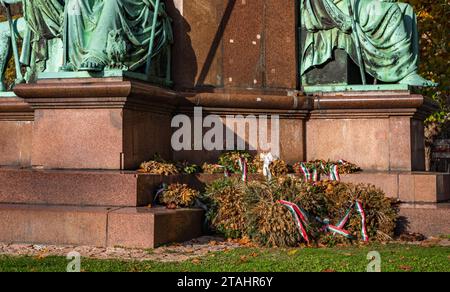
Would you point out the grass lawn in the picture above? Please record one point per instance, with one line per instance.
(394, 258)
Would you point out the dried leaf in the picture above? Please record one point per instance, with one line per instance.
(406, 268)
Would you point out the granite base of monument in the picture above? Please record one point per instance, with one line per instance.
(106, 188)
(408, 187)
(130, 227)
(116, 123)
(82, 135)
(106, 123)
(109, 208)
(131, 188)
(274, 112)
(427, 219)
(99, 208)
(16, 129)
(378, 130)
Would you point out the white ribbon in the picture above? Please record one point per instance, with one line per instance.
(267, 159)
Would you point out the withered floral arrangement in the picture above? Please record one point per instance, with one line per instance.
(160, 166)
(229, 163)
(178, 196)
(253, 210)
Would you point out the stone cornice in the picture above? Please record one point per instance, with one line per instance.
(126, 93)
(96, 94)
(372, 105)
(15, 109)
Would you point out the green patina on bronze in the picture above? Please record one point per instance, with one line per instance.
(92, 36)
(8, 41)
(380, 36)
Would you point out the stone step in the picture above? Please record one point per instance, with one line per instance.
(408, 187)
(80, 188)
(133, 189)
(98, 226)
(149, 228)
(426, 219)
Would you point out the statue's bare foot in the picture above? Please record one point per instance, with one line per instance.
(418, 81)
(92, 64)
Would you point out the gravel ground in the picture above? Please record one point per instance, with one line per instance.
(173, 253)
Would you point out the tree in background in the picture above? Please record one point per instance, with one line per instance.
(434, 24)
(10, 73)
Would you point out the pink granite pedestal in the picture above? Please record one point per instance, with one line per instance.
(98, 226)
(87, 132)
(426, 219)
(264, 120)
(80, 188)
(87, 207)
(116, 123)
(380, 130)
(407, 187)
(16, 126)
(107, 123)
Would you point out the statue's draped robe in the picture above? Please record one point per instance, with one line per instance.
(44, 19)
(387, 31)
(89, 23)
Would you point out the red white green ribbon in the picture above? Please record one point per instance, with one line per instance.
(334, 173)
(244, 168)
(302, 221)
(342, 162)
(361, 212)
(339, 229)
(225, 170)
(346, 218)
(299, 217)
(305, 171)
(310, 175)
(315, 175)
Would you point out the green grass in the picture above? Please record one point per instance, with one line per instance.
(394, 258)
